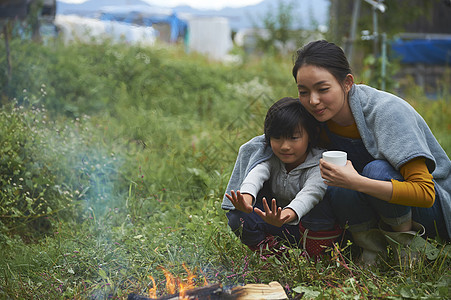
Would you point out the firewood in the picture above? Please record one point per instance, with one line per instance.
(270, 291)
(213, 292)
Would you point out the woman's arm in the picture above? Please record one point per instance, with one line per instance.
(416, 190)
(347, 177)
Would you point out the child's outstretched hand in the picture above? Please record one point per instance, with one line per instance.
(274, 216)
(242, 202)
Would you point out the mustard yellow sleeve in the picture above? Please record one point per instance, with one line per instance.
(418, 187)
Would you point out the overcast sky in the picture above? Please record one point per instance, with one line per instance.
(200, 4)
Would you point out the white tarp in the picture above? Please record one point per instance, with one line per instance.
(211, 36)
(75, 28)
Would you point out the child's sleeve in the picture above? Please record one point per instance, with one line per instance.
(311, 193)
(249, 155)
(254, 180)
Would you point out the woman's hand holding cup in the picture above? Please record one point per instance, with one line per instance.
(338, 158)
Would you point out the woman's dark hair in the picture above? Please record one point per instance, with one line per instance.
(324, 55)
(286, 116)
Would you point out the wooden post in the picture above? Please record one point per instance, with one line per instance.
(8, 53)
(352, 35)
(3, 96)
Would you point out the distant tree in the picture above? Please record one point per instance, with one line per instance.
(277, 29)
(22, 19)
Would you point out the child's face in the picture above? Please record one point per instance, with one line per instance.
(292, 151)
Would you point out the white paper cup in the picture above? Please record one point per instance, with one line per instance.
(338, 158)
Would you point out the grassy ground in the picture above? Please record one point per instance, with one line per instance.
(114, 161)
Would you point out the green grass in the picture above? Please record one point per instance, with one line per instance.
(126, 169)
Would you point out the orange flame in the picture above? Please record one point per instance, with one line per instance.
(183, 287)
(205, 278)
(190, 277)
(153, 291)
(173, 284)
(170, 281)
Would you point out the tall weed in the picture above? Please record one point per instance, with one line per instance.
(51, 169)
(30, 189)
(435, 112)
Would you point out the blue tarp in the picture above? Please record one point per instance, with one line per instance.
(423, 51)
(146, 17)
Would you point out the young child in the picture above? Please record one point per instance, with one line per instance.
(292, 175)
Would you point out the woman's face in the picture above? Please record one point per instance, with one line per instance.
(323, 96)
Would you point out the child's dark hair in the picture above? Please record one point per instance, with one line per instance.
(286, 116)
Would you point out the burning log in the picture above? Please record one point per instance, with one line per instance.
(271, 291)
(213, 291)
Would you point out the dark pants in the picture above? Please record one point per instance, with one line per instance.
(252, 229)
(362, 212)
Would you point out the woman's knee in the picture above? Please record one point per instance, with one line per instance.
(340, 198)
(381, 170)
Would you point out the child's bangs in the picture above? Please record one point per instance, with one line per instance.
(286, 126)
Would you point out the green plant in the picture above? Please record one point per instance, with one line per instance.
(372, 73)
(50, 169)
(137, 149)
(30, 192)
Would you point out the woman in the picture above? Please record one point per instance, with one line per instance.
(398, 172)
(398, 178)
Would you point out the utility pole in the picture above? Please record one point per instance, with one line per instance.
(377, 5)
(351, 41)
(384, 60)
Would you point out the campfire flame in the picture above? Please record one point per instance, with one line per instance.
(183, 287)
(173, 284)
(153, 291)
(170, 281)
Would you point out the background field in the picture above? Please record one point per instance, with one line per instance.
(114, 160)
